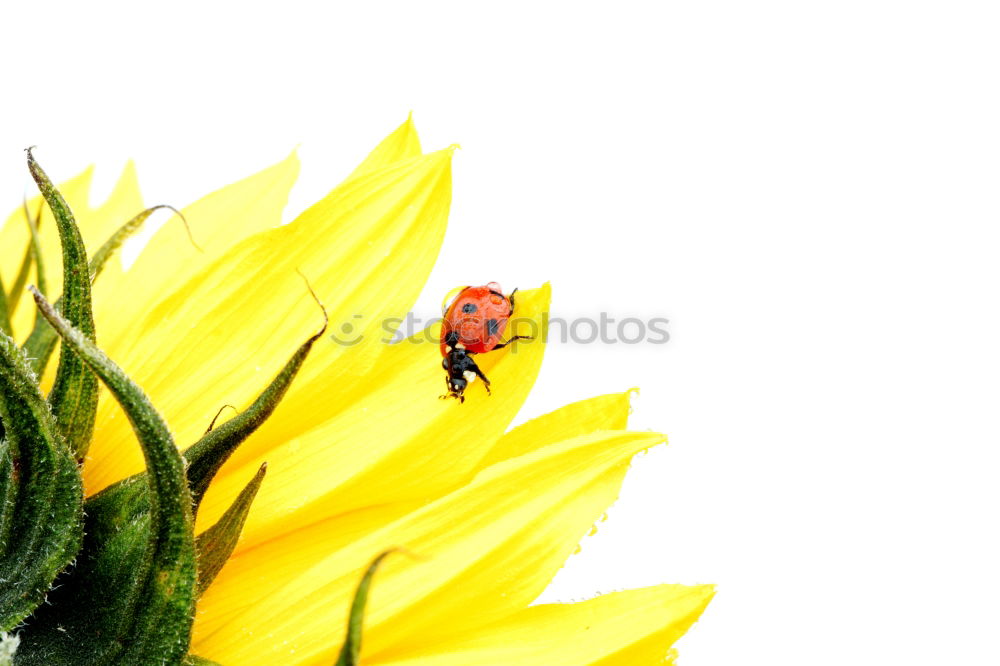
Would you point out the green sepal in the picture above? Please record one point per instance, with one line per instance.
(131, 600)
(40, 344)
(216, 544)
(74, 392)
(42, 340)
(122, 234)
(350, 653)
(209, 453)
(35, 252)
(43, 527)
(8, 493)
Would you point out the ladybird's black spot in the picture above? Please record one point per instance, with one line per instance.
(492, 326)
(469, 308)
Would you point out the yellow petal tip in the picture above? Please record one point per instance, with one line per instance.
(656, 439)
(628, 396)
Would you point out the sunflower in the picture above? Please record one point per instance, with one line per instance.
(361, 456)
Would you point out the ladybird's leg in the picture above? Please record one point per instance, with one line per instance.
(516, 337)
(511, 299)
(479, 373)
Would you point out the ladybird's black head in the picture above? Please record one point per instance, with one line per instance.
(456, 385)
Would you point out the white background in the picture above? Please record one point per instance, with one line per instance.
(808, 191)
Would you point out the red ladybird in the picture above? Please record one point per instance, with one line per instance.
(473, 324)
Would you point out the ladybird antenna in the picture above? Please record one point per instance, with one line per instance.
(326, 317)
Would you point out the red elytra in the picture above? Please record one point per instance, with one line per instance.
(478, 316)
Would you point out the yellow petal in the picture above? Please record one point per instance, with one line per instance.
(402, 144)
(271, 186)
(631, 628)
(489, 549)
(351, 245)
(393, 440)
(605, 412)
(217, 221)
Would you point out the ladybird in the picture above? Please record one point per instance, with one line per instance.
(474, 323)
